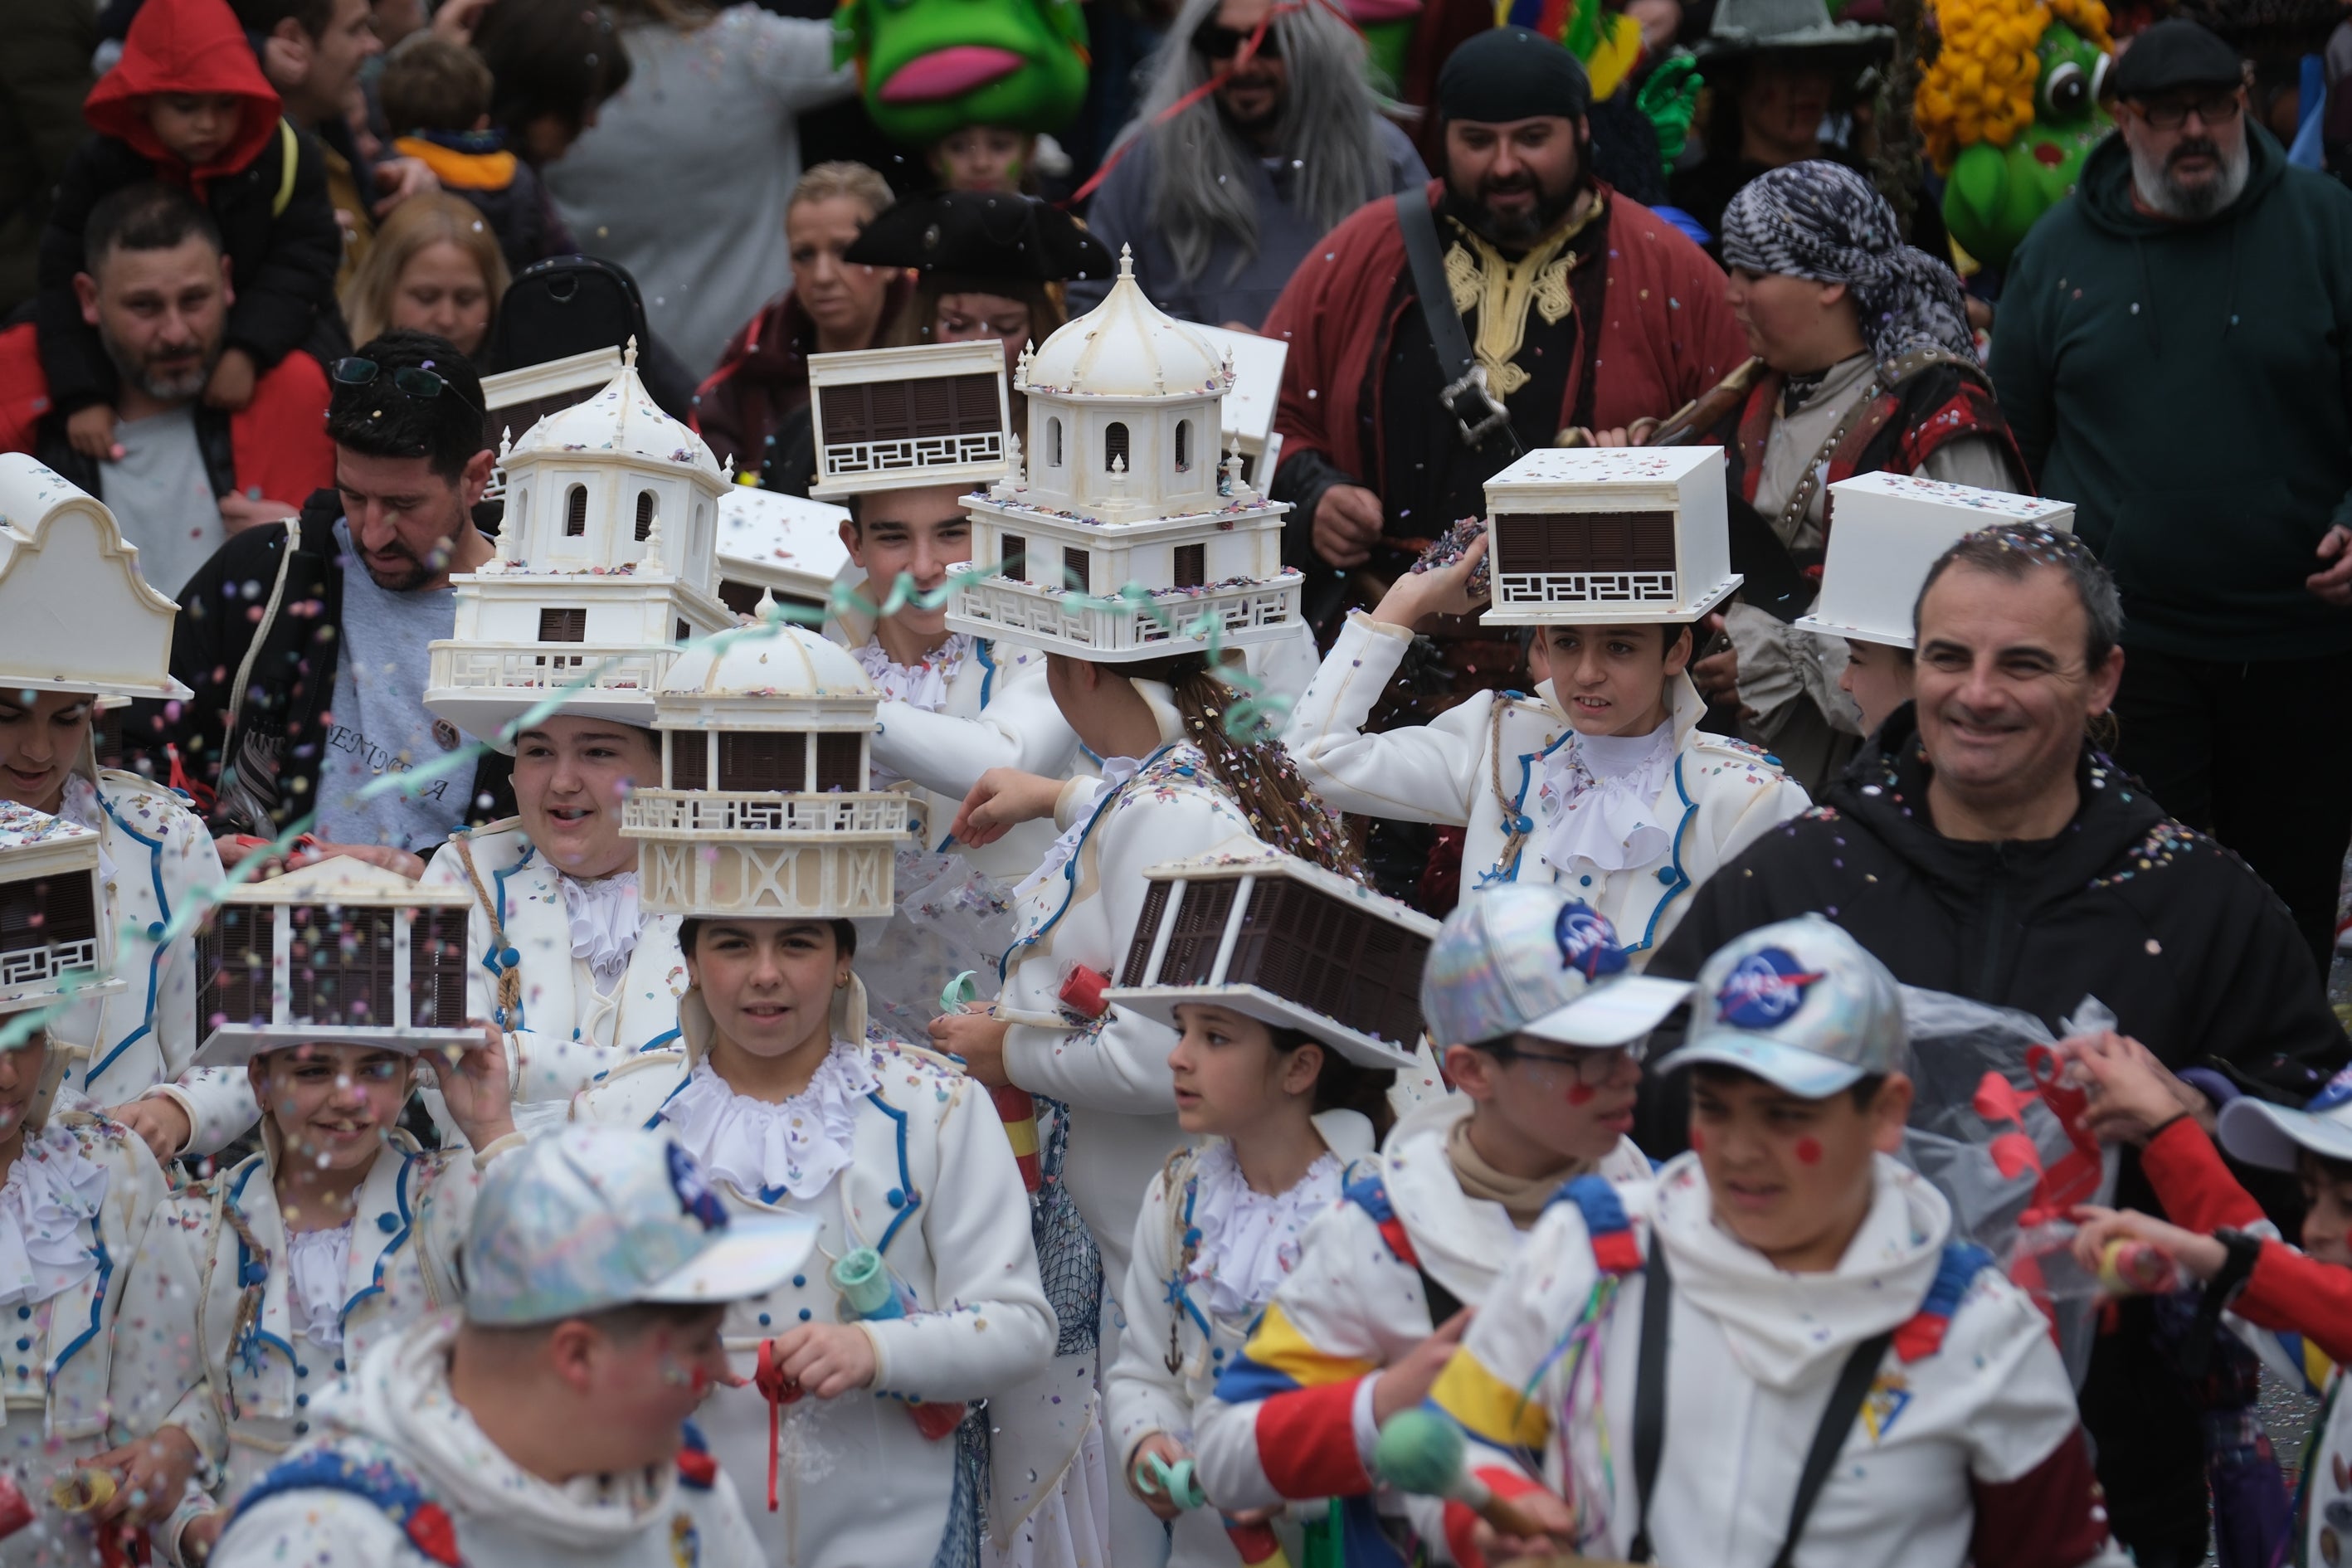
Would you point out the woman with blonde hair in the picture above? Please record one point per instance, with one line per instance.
(434, 266)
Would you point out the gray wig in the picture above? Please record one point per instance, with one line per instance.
(1326, 128)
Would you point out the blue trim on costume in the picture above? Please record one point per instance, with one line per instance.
(1955, 1272)
(1177, 1296)
(657, 1042)
(97, 1305)
(1597, 1199)
(379, 1482)
(654, 1121)
(1372, 1196)
(489, 959)
(1078, 851)
(906, 1181)
(374, 1286)
(1682, 882)
(156, 958)
(1527, 760)
(988, 665)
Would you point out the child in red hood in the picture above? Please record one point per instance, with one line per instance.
(187, 105)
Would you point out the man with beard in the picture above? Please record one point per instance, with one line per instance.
(181, 476)
(1220, 198)
(305, 643)
(1584, 308)
(2174, 354)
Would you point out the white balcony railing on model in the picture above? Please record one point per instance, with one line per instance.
(26, 965)
(1025, 607)
(843, 458)
(617, 668)
(666, 813)
(1595, 587)
(779, 877)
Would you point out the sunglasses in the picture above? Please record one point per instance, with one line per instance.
(1213, 41)
(2170, 113)
(415, 381)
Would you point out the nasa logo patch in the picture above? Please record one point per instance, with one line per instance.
(1587, 942)
(1764, 990)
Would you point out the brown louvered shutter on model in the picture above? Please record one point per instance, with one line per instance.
(1547, 542)
(563, 626)
(846, 415)
(233, 958)
(437, 969)
(975, 402)
(340, 967)
(753, 761)
(1200, 927)
(689, 760)
(1015, 553)
(893, 419)
(575, 513)
(932, 406)
(1146, 927)
(1077, 570)
(837, 761)
(645, 515)
(1191, 565)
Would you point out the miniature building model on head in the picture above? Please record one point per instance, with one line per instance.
(765, 808)
(56, 944)
(1274, 937)
(1888, 530)
(1120, 483)
(935, 413)
(66, 574)
(1603, 535)
(606, 563)
(779, 546)
(338, 947)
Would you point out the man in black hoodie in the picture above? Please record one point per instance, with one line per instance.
(2174, 353)
(1979, 845)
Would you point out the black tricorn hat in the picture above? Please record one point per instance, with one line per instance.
(982, 236)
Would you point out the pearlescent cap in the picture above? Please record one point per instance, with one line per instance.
(1527, 959)
(597, 1218)
(2269, 1135)
(1801, 1004)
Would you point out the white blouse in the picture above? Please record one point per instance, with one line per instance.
(53, 1193)
(605, 923)
(799, 1145)
(1599, 800)
(1250, 1240)
(316, 1262)
(923, 684)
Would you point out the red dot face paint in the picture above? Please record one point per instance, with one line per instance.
(1580, 1094)
(1698, 1142)
(1808, 1151)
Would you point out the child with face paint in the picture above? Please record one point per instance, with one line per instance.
(1287, 1101)
(1786, 1293)
(1541, 1021)
(339, 1234)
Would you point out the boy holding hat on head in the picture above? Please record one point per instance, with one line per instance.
(1780, 1331)
(546, 1425)
(1540, 1021)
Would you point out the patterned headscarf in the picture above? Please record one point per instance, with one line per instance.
(1822, 221)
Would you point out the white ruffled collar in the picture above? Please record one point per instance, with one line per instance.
(605, 922)
(1599, 799)
(798, 1146)
(53, 1193)
(317, 1263)
(81, 808)
(1115, 771)
(1250, 1240)
(923, 684)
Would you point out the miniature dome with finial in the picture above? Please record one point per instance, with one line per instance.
(1124, 347)
(622, 418)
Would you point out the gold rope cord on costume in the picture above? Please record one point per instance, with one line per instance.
(1484, 281)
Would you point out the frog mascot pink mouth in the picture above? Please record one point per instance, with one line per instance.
(948, 73)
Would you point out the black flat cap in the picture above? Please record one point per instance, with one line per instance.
(2174, 53)
(982, 235)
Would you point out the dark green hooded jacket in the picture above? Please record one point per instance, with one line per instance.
(2189, 387)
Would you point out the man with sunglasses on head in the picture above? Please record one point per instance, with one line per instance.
(2174, 354)
(306, 642)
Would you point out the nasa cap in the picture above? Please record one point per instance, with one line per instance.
(2269, 1135)
(1520, 958)
(1801, 1004)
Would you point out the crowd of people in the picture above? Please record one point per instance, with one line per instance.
(1374, 990)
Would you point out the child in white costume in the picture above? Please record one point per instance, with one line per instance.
(1799, 1293)
(546, 1427)
(64, 569)
(1289, 1099)
(1601, 781)
(339, 1234)
(1540, 1020)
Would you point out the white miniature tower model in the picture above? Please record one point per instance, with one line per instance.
(935, 413)
(56, 944)
(1886, 529)
(1594, 535)
(78, 616)
(606, 562)
(1122, 485)
(765, 808)
(338, 947)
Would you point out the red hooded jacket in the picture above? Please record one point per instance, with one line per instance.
(185, 45)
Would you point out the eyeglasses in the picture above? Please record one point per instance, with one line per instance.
(413, 380)
(1592, 1068)
(1215, 41)
(2169, 113)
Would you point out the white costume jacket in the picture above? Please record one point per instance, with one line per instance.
(1967, 1447)
(397, 1466)
(1291, 1417)
(1190, 1216)
(142, 1039)
(110, 1354)
(566, 1034)
(930, 1183)
(1482, 766)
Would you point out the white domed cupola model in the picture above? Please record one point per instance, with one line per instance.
(766, 807)
(1123, 486)
(605, 564)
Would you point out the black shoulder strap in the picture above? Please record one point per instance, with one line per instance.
(1650, 1393)
(1845, 1402)
(1442, 1303)
(1479, 413)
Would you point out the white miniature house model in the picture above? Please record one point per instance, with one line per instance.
(1886, 529)
(1600, 534)
(605, 563)
(779, 546)
(338, 947)
(55, 941)
(1248, 924)
(765, 808)
(1122, 485)
(75, 615)
(889, 418)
